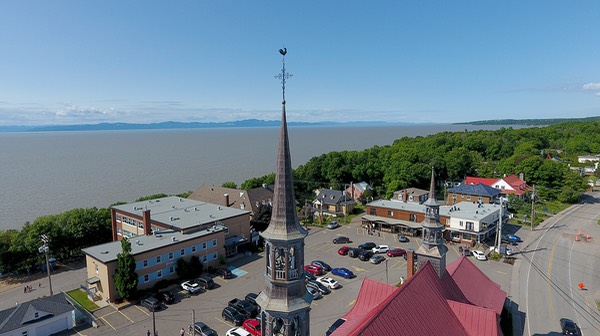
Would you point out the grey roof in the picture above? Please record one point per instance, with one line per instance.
(15, 317)
(140, 244)
(362, 186)
(181, 213)
(466, 210)
(249, 199)
(478, 189)
(333, 197)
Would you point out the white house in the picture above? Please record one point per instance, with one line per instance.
(39, 317)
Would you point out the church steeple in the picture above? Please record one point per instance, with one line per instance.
(432, 248)
(284, 302)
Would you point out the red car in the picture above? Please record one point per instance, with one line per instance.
(314, 269)
(252, 326)
(343, 250)
(396, 252)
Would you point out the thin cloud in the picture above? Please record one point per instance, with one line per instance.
(592, 87)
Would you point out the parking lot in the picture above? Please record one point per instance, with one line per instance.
(208, 305)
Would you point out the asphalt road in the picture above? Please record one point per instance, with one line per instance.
(551, 266)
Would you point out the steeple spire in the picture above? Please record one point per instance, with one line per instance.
(284, 302)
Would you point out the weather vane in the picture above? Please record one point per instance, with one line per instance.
(283, 75)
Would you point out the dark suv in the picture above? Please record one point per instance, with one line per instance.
(341, 240)
(232, 315)
(365, 255)
(205, 282)
(367, 246)
(165, 297)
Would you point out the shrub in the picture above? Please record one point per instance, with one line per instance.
(495, 256)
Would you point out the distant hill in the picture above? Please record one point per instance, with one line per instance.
(527, 122)
(185, 125)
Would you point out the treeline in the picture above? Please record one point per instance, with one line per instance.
(454, 155)
(68, 233)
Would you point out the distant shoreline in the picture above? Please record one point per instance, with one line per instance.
(255, 123)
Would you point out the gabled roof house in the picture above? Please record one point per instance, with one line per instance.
(42, 316)
(463, 302)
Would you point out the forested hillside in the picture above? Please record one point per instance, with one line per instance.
(407, 162)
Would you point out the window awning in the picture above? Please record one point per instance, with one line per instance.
(235, 240)
(92, 280)
(392, 221)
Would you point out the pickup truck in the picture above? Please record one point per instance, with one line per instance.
(244, 307)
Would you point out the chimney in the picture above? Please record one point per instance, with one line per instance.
(113, 214)
(410, 264)
(226, 199)
(404, 196)
(146, 220)
(352, 189)
(522, 176)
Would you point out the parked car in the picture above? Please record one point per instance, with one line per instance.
(343, 272)
(251, 297)
(569, 327)
(191, 286)
(333, 225)
(380, 249)
(309, 276)
(322, 264)
(412, 250)
(354, 252)
(165, 297)
(224, 273)
(202, 329)
(376, 259)
(367, 246)
(318, 286)
(403, 239)
(316, 270)
(206, 282)
(510, 238)
(464, 250)
(151, 303)
(479, 255)
(313, 292)
(509, 251)
(232, 315)
(238, 331)
(342, 240)
(329, 282)
(396, 252)
(343, 250)
(244, 307)
(253, 327)
(365, 255)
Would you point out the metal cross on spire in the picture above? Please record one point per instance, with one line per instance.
(283, 75)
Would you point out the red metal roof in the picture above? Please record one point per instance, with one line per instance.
(476, 286)
(464, 302)
(483, 180)
(476, 320)
(419, 307)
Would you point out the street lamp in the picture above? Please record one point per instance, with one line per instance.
(46, 249)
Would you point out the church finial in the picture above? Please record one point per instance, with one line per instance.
(283, 76)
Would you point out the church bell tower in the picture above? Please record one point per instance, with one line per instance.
(284, 302)
(432, 248)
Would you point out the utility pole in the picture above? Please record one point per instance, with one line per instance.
(532, 207)
(386, 272)
(193, 322)
(46, 249)
(499, 237)
(153, 323)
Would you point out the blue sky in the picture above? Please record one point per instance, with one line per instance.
(71, 62)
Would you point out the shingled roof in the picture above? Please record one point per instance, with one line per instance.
(49, 306)
(478, 189)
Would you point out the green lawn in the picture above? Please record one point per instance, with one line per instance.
(82, 298)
